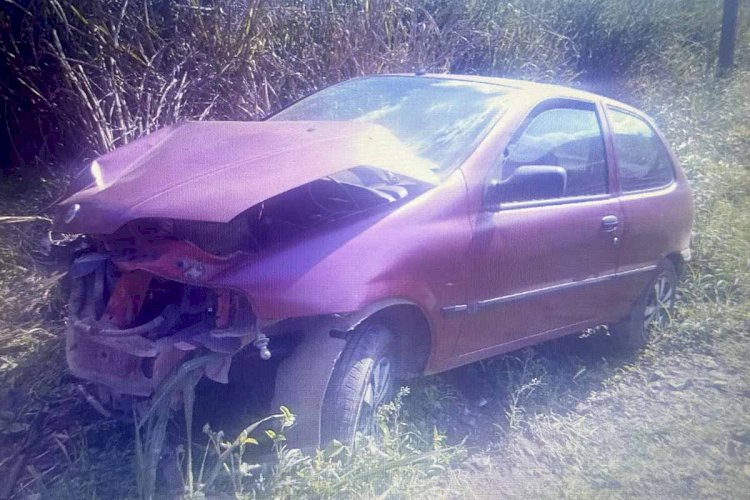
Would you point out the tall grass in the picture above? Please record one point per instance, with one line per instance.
(81, 77)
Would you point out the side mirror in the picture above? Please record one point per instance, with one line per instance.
(527, 183)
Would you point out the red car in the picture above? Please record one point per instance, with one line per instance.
(384, 227)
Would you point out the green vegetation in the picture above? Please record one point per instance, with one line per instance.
(569, 418)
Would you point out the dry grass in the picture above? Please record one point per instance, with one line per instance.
(80, 77)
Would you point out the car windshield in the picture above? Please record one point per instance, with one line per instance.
(440, 120)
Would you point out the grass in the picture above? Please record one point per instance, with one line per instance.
(567, 419)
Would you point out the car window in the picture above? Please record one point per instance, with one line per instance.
(642, 158)
(441, 120)
(567, 138)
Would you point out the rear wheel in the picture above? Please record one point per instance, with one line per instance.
(653, 309)
(363, 380)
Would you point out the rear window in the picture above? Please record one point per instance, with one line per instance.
(642, 158)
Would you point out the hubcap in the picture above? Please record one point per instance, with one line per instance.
(376, 391)
(658, 302)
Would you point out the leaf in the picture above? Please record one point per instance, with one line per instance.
(285, 411)
(250, 440)
(288, 416)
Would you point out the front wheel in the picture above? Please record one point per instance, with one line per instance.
(363, 380)
(653, 309)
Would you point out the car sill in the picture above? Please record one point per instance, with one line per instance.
(478, 306)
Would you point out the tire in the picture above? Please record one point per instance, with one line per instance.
(363, 379)
(653, 308)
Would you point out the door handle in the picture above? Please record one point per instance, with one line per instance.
(609, 223)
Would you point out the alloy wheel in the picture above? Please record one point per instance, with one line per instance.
(377, 390)
(659, 302)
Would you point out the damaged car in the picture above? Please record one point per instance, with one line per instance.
(382, 228)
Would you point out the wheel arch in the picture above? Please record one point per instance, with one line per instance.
(409, 324)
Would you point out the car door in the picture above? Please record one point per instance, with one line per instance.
(657, 210)
(542, 259)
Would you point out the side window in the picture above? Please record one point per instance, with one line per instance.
(563, 149)
(643, 160)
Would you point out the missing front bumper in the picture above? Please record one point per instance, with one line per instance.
(109, 343)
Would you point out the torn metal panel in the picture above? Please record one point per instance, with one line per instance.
(150, 325)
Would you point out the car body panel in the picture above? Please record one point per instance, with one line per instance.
(543, 258)
(212, 171)
(407, 253)
(657, 223)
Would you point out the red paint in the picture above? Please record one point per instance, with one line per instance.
(212, 171)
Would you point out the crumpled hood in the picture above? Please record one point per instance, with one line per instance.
(213, 171)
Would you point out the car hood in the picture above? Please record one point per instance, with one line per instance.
(213, 171)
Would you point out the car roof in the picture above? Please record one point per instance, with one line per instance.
(533, 90)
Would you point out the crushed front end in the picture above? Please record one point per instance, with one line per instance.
(141, 307)
(197, 232)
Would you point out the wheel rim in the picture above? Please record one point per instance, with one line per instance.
(658, 302)
(376, 391)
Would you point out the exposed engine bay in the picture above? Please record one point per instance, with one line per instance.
(277, 219)
(140, 305)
